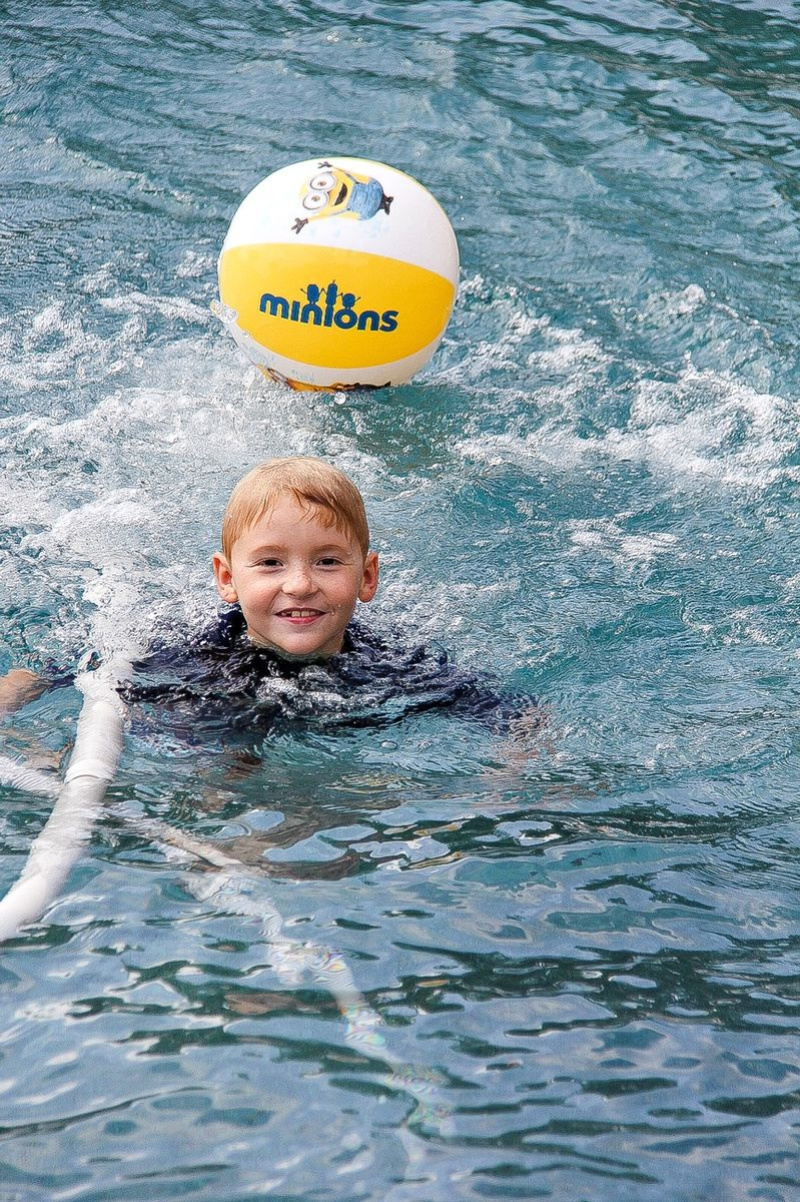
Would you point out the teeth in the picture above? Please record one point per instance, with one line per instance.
(299, 613)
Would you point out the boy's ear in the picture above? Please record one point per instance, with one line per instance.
(224, 578)
(369, 581)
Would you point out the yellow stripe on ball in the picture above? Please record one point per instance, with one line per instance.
(334, 308)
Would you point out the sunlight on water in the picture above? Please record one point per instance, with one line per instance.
(437, 968)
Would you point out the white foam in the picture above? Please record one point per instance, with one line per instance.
(174, 308)
(127, 470)
(607, 537)
(498, 350)
(703, 427)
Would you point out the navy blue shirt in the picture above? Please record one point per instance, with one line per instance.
(218, 677)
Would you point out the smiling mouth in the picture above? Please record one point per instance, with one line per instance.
(300, 613)
(342, 195)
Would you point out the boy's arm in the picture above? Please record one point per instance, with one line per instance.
(525, 735)
(18, 687)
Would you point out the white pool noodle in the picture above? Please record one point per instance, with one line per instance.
(92, 765)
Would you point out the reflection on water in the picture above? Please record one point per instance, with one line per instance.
(578, 968)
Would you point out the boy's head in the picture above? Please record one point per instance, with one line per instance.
(295, 555)
(314, 485)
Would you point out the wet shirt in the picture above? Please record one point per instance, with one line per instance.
(219, 677)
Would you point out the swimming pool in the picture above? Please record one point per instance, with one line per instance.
(586, 966)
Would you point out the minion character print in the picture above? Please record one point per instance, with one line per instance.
(334, 192)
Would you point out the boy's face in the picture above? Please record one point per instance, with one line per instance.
(297, 581)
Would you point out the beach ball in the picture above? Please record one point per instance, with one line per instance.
(338, 273)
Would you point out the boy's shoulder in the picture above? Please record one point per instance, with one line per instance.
(415, 676)
(198, 651)
(221, 633)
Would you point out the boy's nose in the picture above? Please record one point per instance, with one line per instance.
(298, 581)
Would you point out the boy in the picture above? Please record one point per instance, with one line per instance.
(295, 562)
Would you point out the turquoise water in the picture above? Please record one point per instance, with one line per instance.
(587, 964)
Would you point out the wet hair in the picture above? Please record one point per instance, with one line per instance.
(313, 484)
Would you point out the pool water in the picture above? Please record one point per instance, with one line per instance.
(585, 962)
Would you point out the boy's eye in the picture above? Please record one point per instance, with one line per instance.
(329, 561)
(270, 563)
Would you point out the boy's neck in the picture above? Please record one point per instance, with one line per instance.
(287, 655)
